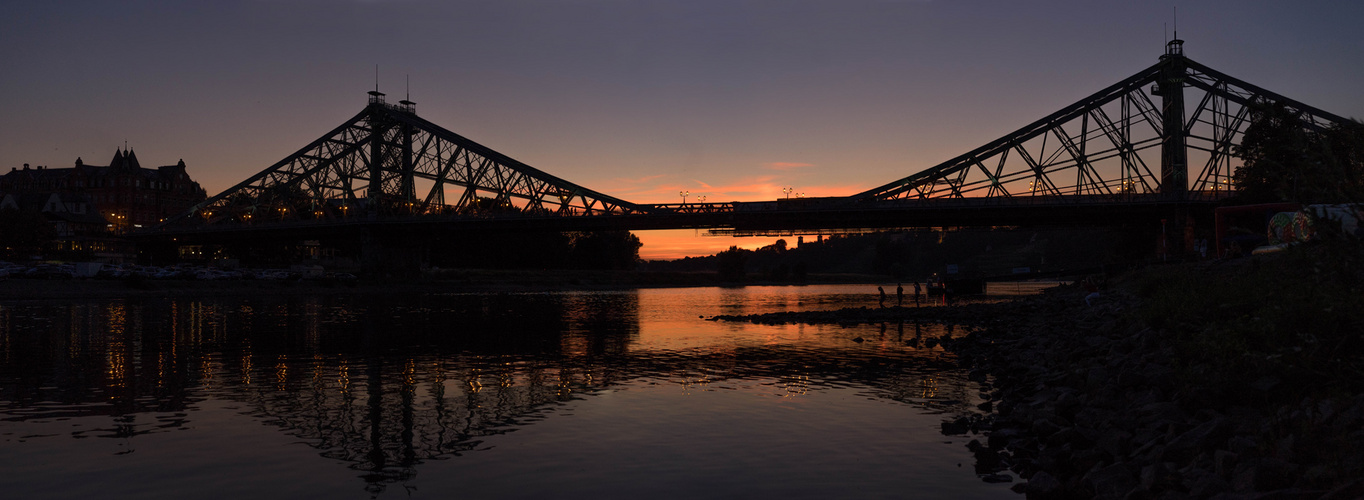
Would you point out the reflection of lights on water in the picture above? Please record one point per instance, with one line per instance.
(246, 368)
(565, 383)
(117, 362)
(317, 372)
(798, 385)
(438, 380)
(688, 383)
(472, 383)
(281, 374)
(928, 387)
(117, 318)
(207, 367)
(343, 377)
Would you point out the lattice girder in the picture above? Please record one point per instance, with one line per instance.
(388, 162)
(1112, 143)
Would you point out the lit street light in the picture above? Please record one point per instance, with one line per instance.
(684, 194)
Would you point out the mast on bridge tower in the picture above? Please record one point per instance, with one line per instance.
(1174, 164)
(376, 149)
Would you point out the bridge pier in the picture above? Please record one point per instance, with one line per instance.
(391, 254)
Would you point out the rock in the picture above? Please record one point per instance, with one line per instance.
(1224, 463)
(1044, 427)
(1128, 379)
(1202, 483)
(1159, 477)
(1351, 490)
(1098, 377)
(1164, 410)
(1004, 409)
(1115, 443)
(1243, 446)
(1000, 438)
(1265, 384)
(1264, 475)
(1114, 481)
(1187, 445)
(1067, 436)
(974, 445)
(988, 461)
(1043, 486)
(956, 427)
(1326, 409)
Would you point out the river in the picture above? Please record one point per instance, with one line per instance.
(620, 394)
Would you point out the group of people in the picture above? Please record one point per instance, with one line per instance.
(900, 295)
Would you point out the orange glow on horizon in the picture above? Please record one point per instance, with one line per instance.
(679, 243)
(664, 188)
(676, 244)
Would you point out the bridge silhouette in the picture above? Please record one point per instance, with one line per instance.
(1115, 156)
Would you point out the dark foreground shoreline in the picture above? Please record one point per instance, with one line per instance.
(1091, 402)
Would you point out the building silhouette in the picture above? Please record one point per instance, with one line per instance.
(86, 204)
(126, 195)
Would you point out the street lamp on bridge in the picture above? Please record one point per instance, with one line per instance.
(684, 194)
(788, 191)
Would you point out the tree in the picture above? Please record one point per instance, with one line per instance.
(604, 250)
(1284, 161)
(730, 263)
(23, 234)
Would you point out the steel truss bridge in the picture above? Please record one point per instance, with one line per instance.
(1124, 153)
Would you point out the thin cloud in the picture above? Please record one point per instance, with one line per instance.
(641, 180)
(755, 188)
(786, 165)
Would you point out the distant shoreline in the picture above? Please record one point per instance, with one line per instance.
(448, 281)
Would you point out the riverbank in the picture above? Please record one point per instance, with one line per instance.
(1236, 379)
(443, 281)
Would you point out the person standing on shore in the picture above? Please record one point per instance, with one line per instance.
(882, 291)
(916, 293)
(1091, 291)
(899, 295)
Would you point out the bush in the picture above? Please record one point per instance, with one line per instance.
(1295, 317)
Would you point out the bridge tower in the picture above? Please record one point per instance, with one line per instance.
(1174, 164)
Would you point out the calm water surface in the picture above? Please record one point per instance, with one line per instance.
(493, 395)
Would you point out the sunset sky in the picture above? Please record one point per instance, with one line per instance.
(733, 100)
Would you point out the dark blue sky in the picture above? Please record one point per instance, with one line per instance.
(639, 99)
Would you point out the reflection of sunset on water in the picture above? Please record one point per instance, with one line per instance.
(393, 387)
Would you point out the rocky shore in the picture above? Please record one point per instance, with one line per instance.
(1085, 404)
(974, 313)
(1096, 402)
